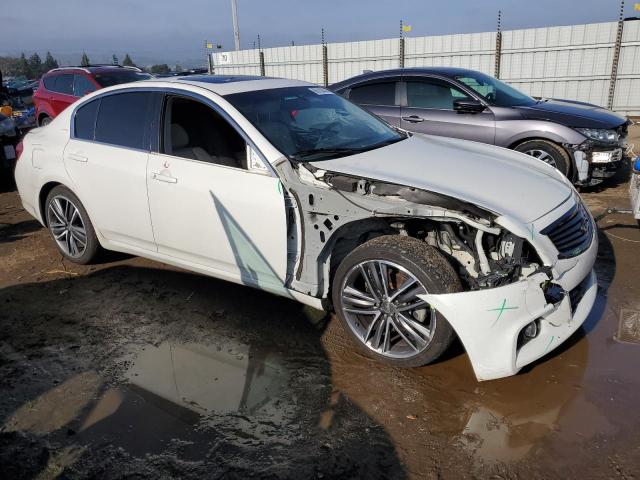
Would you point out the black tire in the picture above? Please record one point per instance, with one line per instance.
(92, 246)
(44, 121)
(426, 264)
(561, 159)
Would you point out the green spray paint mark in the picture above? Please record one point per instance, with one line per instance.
(501, 309)
(532, 232)
(549, 344)
(279, 187)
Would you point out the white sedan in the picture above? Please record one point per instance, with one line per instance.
(284, 186)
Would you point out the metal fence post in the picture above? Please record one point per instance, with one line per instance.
(325, 61)
(261, 57)
(401, 53)
(616, 58)
(496, 72)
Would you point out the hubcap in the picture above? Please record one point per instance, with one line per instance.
(67, 226)
(380, 304)
(542, 155)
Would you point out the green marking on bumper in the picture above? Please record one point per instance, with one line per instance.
(549, 344)
(501, 309)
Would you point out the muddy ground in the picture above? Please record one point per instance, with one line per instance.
(132, 369)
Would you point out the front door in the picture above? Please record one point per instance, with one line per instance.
(428, 108)
(208, 208)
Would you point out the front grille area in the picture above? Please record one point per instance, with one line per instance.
(572, 233)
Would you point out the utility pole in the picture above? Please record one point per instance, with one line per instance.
(498, 58)
(616, 58)
(236, 30)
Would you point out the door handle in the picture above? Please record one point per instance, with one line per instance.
(413, 119)
(164, 178)
(77, 157)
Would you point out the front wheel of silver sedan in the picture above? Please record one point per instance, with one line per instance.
(70, 226)
(375, 294)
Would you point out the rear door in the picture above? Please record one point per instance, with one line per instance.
(379, 97)
(107, 157)
(427, 107)
(62, 95)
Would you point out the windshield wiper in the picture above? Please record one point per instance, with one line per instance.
(344, 151)
(324, 151)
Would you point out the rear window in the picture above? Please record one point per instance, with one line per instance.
(123, 119)
(116, 77)
(60, 84)
(85, 122)
(374, 94)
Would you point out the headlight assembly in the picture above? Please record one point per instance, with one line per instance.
(600, 134)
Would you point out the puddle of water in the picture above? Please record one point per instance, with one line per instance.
(173, 387)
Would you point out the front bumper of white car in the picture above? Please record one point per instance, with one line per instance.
(491, 322)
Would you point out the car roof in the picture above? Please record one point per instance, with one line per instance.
(93, 69)
(220, 84)
(412, 71)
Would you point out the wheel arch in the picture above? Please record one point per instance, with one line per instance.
(559, 144)
(42, 198)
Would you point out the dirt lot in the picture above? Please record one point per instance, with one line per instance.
(132, 369)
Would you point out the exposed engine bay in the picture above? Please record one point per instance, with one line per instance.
(340, 212)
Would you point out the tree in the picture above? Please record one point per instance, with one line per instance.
(161, 68)
(35, 66)
(127, 62)
(85, 62)
(114, 59)
(49, 63)
(22, 69)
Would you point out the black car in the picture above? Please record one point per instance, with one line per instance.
(584, 141)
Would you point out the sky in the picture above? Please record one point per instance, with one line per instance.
(175, 30)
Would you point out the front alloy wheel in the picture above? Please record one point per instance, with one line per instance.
(375, 295)
(380, 305)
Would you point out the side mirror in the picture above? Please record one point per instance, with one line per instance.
(468, 105)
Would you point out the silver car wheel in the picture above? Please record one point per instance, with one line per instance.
(542, 155)
(67, 227)
(380, 304)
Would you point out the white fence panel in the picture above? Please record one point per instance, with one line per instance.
(572, 62)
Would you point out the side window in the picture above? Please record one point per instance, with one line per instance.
(434, 94)
(50, 83)
(64, 84)
(123, 119)
(82, 86)
(383, 93)
(85, 122)
(195, 131)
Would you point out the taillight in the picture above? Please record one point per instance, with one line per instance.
(19, 149)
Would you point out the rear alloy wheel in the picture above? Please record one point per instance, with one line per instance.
(548, 152)
(44, 121)
(70, 226)
(375, 295)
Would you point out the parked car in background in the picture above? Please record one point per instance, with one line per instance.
(60, 87)
(289, 188)
(585, 142)
(9, 137)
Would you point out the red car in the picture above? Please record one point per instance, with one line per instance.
(60, 87)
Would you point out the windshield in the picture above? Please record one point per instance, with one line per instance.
(311, 123)
(494, 91)
(108, 79)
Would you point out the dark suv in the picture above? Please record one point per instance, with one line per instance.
(585, 142)
(60, 87)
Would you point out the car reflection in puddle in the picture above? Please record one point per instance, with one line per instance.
(175, 388)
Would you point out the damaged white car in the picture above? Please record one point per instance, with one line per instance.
(286, 187)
